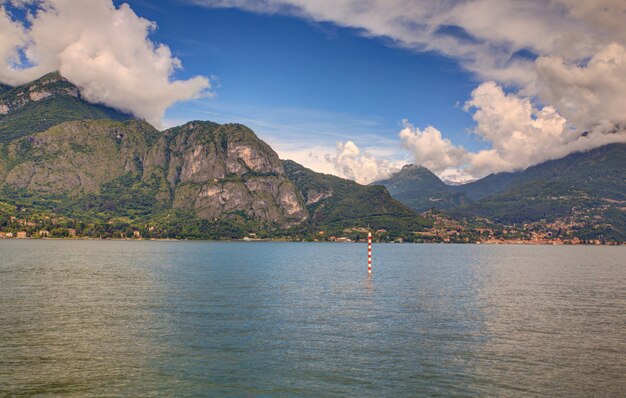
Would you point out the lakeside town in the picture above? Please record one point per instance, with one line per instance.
(444, 230)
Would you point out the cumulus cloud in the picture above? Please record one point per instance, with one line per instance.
(520, 134)
(486, 36)
(589, 95)
(563, 62)
(12, 37)
(430, 149)
(103, 49)
(351, 162)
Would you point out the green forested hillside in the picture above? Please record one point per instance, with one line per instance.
(196, 180)
(586, 189)
(421, 190)
(337, 203)
(44, 103)
(599, 171)
(206, 180)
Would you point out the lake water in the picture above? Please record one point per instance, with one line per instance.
(104, 318)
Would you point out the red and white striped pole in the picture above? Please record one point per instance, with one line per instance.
(369, 252)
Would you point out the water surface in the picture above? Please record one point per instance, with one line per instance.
(104, 318)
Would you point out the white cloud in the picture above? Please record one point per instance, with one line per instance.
(520, 134)
(311, 155)
(484, 35)
(430, 149)
(104, 50)
(567, 55)
(576, 84)
(12, 37)
(353, 163)
(588, 95)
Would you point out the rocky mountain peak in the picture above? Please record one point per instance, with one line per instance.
(52, 84)
(46, 102)
(215, 171)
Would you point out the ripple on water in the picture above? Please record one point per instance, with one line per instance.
(92, 318)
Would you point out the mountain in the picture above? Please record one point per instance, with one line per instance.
(46, 102)
(583, 192)
(105, 169)
(4, 88)
(597, 171)
(421, 190)
(337, 203)
(589, 183)
(60, 154)
(548, 190)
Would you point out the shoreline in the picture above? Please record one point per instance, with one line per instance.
(490, 243)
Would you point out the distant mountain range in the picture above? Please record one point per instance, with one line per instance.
(63, 155)
(585, 185)
(421, 190)
(336, 202)
(107, 171)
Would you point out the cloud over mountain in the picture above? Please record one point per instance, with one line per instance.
(521, 135)
(552, 72)
(104, 50)
(358, 165)
(430, 149)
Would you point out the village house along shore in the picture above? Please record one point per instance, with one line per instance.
(443, 230)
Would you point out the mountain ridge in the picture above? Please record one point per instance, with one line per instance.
(582, 186)
(336, 202)
(203, 179)
(46, 102)
(420, 189)
(549, 170)
(213, 171)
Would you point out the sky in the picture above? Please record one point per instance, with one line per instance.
(352, 88)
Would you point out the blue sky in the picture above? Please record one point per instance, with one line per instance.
(356, 88)
(295, 80)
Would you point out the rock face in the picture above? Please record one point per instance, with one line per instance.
(336, 201)
(216, 171)
(47, 86)
(225, 169)
(46, 102)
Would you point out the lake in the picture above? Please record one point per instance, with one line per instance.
(115, 318)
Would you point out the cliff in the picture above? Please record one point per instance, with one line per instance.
(215, 171)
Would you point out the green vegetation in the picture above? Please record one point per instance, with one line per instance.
(599, 172)
(580, 187)
(202, 180)
(4, 88)
(529, 202)
(62, 103)
(421, 190)
(125, 205)
(586, 189)
(337, 204)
